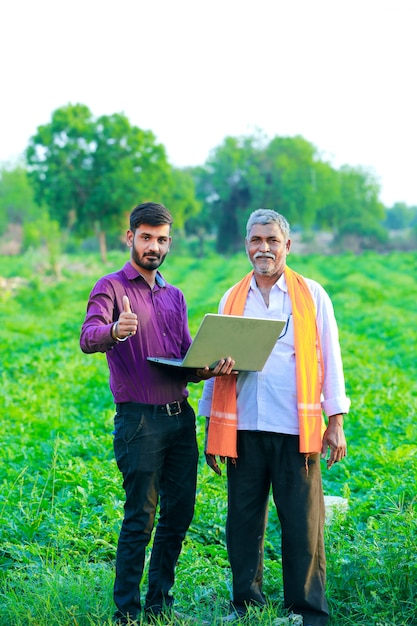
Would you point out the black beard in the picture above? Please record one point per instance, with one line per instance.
(150, 264)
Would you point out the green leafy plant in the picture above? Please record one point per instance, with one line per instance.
(61, 500)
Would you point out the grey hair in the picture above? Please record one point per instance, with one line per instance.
(268, 216)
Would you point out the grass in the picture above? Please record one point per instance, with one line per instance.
(61, 499)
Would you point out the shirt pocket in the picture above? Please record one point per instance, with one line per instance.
(286, 337)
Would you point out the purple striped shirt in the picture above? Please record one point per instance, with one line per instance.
(162, 331)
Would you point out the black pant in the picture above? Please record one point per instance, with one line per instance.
(266, 459)
(157, 454)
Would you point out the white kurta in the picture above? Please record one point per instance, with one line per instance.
(267, 400)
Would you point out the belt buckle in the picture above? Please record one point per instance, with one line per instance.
(171, 410)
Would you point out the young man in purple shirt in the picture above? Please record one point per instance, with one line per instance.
(133, 314)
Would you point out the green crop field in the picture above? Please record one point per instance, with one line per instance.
(61, 500)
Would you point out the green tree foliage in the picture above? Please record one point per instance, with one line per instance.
(17, 204)
(289, 169)
(225, 186)
(401, 216)
(236, 171)
(360, 213)
(60, 162)
(288, 175)
(181, 197)
(90, 172)
(326, 195)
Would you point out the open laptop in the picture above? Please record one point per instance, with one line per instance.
(248, 340)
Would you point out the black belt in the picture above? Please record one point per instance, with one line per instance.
(172, 408)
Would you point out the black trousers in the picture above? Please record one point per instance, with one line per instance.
(157, 454)
(266, 459)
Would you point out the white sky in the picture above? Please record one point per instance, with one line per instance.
(341, 73)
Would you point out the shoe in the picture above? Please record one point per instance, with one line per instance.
(124, 620)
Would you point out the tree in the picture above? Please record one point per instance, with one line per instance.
(400, 216)
(17, 204)
(225, 184)
(360, 212)
(91, 172)
(60, 160)
(289, 163)
(181, 197)
(247, 173)
(18, 208)
(328, 197)
(126, 165)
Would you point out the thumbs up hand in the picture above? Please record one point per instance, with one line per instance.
(126, 305)
(127, 324)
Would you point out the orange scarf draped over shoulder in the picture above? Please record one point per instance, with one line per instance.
(222, 433)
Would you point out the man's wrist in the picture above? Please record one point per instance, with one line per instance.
(114, 332)
(337, 417)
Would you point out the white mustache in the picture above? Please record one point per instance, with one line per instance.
(268, 255)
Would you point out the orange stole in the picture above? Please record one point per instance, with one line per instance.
(222, 430)
(308, 363)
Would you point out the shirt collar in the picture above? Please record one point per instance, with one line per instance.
(280, 284)
(133, 273)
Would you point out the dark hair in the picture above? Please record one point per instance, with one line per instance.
(150, 213)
